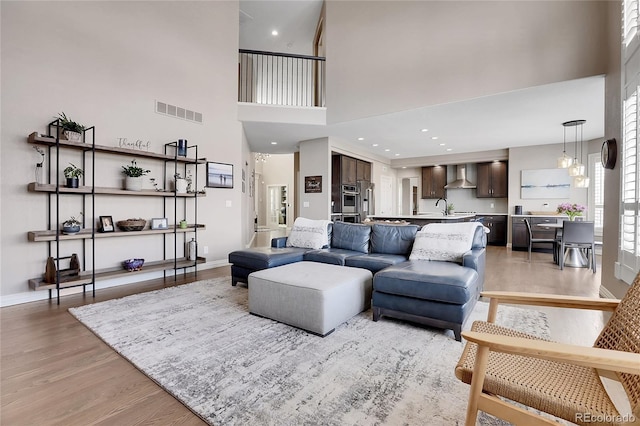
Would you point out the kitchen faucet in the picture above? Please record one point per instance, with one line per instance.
(445, 212)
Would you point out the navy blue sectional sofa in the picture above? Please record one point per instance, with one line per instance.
(435, 293)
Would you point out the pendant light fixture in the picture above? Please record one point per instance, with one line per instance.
(577, 168)
(564, 161)
(581, 180)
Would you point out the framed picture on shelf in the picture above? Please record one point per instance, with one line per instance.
(159, 223)
(219, 175)
(106, 224)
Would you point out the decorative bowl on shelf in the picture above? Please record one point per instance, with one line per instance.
(131, 224)
(133, 264)
(70, 229)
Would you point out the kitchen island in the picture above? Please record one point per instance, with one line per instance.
(423, 219)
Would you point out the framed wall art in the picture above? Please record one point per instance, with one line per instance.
(313, 184)
(219, 175)
(545, 183)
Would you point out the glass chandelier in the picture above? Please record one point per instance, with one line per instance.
(261, 157)
(564, 161)
(577, 168)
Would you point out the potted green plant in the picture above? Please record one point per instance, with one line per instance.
(180, 184)
(133, 176)
(72, 173)
(71, 130)
(71, 226)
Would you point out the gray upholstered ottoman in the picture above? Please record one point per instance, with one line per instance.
(316, 297)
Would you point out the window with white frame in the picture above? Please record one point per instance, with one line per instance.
(629, 248)
(596, 194)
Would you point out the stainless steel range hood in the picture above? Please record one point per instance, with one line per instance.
(461, 181)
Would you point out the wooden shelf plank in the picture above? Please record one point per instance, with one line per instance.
(38, 187)
(36, 236)
(102, 274)
(34, 138)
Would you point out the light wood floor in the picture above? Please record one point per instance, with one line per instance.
(55, 371)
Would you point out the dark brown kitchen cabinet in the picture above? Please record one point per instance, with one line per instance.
(434, 178)
(492, 180)
(363, 170)
(497, 225)
(348, 170)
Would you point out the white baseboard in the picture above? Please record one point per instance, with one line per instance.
(34, 296)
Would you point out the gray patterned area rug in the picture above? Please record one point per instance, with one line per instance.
(199, 343)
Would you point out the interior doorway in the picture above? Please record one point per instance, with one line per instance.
(277, 206)
(408, 194)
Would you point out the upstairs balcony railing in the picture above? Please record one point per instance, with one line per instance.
(281, 79)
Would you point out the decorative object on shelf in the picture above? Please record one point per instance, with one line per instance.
(131, 224)
(571, 210)
(71, 130)
(106, 224)
(71, 226)
(192, 250)
(182, 147)
(72, 173)
(138, 144)
(51, 273)
(38, 173)
(183, 224)
(155, 184)
(133, 179)
(609, 153)
(159, 223)
(180, 184)
(219, 175)
(313, 184)
(133, 264)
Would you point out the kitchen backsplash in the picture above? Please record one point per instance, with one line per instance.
(464, 200)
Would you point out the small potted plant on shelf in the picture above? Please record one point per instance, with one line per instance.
(71, 130)
(180, 184)
(72, 173)
(133, 176)
(71, 226)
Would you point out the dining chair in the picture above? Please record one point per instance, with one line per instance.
(578, 235)
(532, 240)
(504, 366)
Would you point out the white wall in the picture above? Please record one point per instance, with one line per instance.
(315, 160)
(105, 64)
(414, 53)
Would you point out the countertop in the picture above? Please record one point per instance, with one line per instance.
(423, 216)
(550, 214)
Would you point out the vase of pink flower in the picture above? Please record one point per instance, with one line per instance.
(571, 209)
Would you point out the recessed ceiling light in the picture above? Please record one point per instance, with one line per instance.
(397, 155)
(434, 137)
(424, 130)
(360, 139)
(274, 32)
(375, 144)
(274, 143)
(442, 144)
(387, 150)
(448, 149)
(404, 167)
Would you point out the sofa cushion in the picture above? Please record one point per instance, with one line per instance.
(266, 257)
(333, 256)
(374, 261)
(351, 236)
(423, 279)
(392, 239)
(444, 241)
(308, 233)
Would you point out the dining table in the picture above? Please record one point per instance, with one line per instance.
(573, 256)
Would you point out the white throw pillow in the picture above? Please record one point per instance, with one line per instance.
(308, 233)
(444, 241)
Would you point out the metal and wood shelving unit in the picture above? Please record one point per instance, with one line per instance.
(88, 234)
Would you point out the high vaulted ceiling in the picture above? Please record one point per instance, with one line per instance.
(531, 116)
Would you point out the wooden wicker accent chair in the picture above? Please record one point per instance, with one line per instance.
(558, 379)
